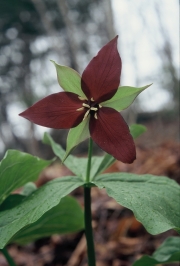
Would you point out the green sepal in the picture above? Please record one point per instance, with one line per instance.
(66, 217)
(69, 79)
(76, 135)
(34, 206)
(153, 199)
(124, 97)
(168, 251)
(16, 169)
(137, 130)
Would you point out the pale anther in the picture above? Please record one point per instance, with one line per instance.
(86, 114)
(94, 108)
(92, 100)
(80, 109)
(85, 105)
(81, 98)
(95, 116)
(100, 106)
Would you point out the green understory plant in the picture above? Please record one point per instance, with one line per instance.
(89, 107)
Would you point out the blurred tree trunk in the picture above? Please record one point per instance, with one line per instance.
(167, 59)
(41, 9)
(109, 19)
(28, 97)
(47, 23)
(71, 43)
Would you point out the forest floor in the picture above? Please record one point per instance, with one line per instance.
(119, 238)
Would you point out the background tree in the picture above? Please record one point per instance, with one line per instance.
(70, 32)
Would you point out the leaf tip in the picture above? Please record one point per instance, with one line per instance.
(45, 139)
(148, 85)
(64, 158)
(52, 61)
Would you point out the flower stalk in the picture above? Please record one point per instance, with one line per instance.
(8, 257)
(87, 212)
(89, 160)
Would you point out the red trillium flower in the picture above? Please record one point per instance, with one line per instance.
(85, 100)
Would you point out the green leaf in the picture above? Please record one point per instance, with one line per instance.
(69, 79)
(177, 230)
(16, 169)
(28, 189)
(34, 206)
(96, 161)
(14, 199)
(11, 201)
(76, 135)
(71, 162)
(124, 97)
(169, 251)
(98, 164)
(66, 217)
(76, 165)
(137, 130)
(106, 161)
(153, 199)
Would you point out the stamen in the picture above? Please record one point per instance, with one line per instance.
(94, 108)
(100, 106)
(81, 98)
(92, 100)
(80, 109)
(86, 114)
(86, 105)
(95, 116)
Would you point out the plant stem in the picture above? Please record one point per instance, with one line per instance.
(88, 227)
(8, 257)
(89, 160)
(87, 212)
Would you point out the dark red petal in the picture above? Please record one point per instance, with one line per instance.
(56, 111)
(111, 133)
(101, 78)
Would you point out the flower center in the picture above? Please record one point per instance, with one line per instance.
(91, 108)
